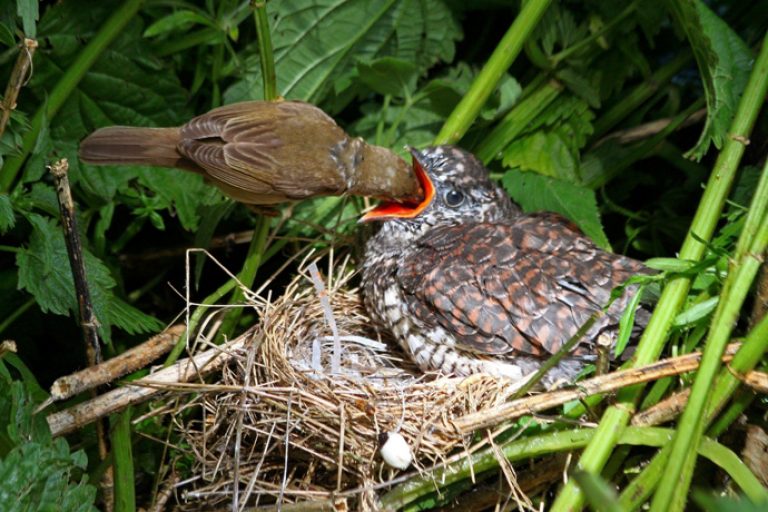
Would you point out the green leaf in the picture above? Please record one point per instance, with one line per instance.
(44, 271)
(696, 312)
(37, 472)
(7, 218)
(29, 14)
(317, 46)
(543, 152)
(627, 322)
(389, 76)
(599, 493)
(179, 20)
(535, 192)
(724, 61)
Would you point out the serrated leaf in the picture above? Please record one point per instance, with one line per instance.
(535, 192)
(543, 152)
(389, 76)
(317, 46)
(724, 61)
(7, 218)
(44, 271)
(132, 320)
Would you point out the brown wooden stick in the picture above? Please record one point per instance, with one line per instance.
(111, 370)
(594, 386)
(69, 420)
(664, 411)
(19, 77)
(88, 320)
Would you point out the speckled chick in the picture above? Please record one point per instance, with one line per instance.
(467, 283)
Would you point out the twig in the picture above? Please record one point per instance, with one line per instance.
(111, 370)
(594, 386)
(664, 411)
(68, 420)
(88, 320)
(19, 77)
(651, 128)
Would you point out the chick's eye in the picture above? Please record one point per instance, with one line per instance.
(453, 198)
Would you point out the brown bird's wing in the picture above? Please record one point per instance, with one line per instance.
(526, 286)
(263, 149)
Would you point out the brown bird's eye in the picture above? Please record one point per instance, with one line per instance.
(453, 198)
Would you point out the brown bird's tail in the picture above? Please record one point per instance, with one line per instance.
(133, 146)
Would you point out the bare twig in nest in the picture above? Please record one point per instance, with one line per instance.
(19, 77)
(68, 420)
(111, 370)
(594, 386)
(664, 411)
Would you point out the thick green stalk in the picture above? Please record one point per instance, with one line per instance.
(66, 84)
(505, 53)
(517, 120)
(122, 459)
(266, 57)
(750, 353)
(545, 444)
(248, 274)
(673, 489)
(257, 246)
(652, 342)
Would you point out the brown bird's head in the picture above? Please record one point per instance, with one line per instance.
(457, 189)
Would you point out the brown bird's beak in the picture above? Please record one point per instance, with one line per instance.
(410, 209)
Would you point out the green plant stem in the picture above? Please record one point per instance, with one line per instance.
(191, 40)
(672, 298)
(672, 491)
(750, 353)
(266, 57)
(122, 459)
(64, 87)
(505, 53)
(195, 318)
(638, 95)
(247, 275)
(516, 120)
(588, 41)
(8, 320)
(545, 444)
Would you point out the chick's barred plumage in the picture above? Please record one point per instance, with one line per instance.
(471, 284)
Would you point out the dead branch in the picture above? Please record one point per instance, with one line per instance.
(69, 420)
(594, 386)
(19, 77)
(111, 370)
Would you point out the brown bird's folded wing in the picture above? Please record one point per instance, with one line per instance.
(526, 286)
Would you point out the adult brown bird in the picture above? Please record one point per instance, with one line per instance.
(468, 283)
(261, 152)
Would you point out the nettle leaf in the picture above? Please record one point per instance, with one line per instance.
(535, 192)
(389, 76)
(417, 126)
(544, 152)
(724, 61)
(44, 271)
(317, 46)
(7, 219)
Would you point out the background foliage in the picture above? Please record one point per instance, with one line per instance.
(592, 121)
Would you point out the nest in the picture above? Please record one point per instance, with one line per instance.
(288, 428)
